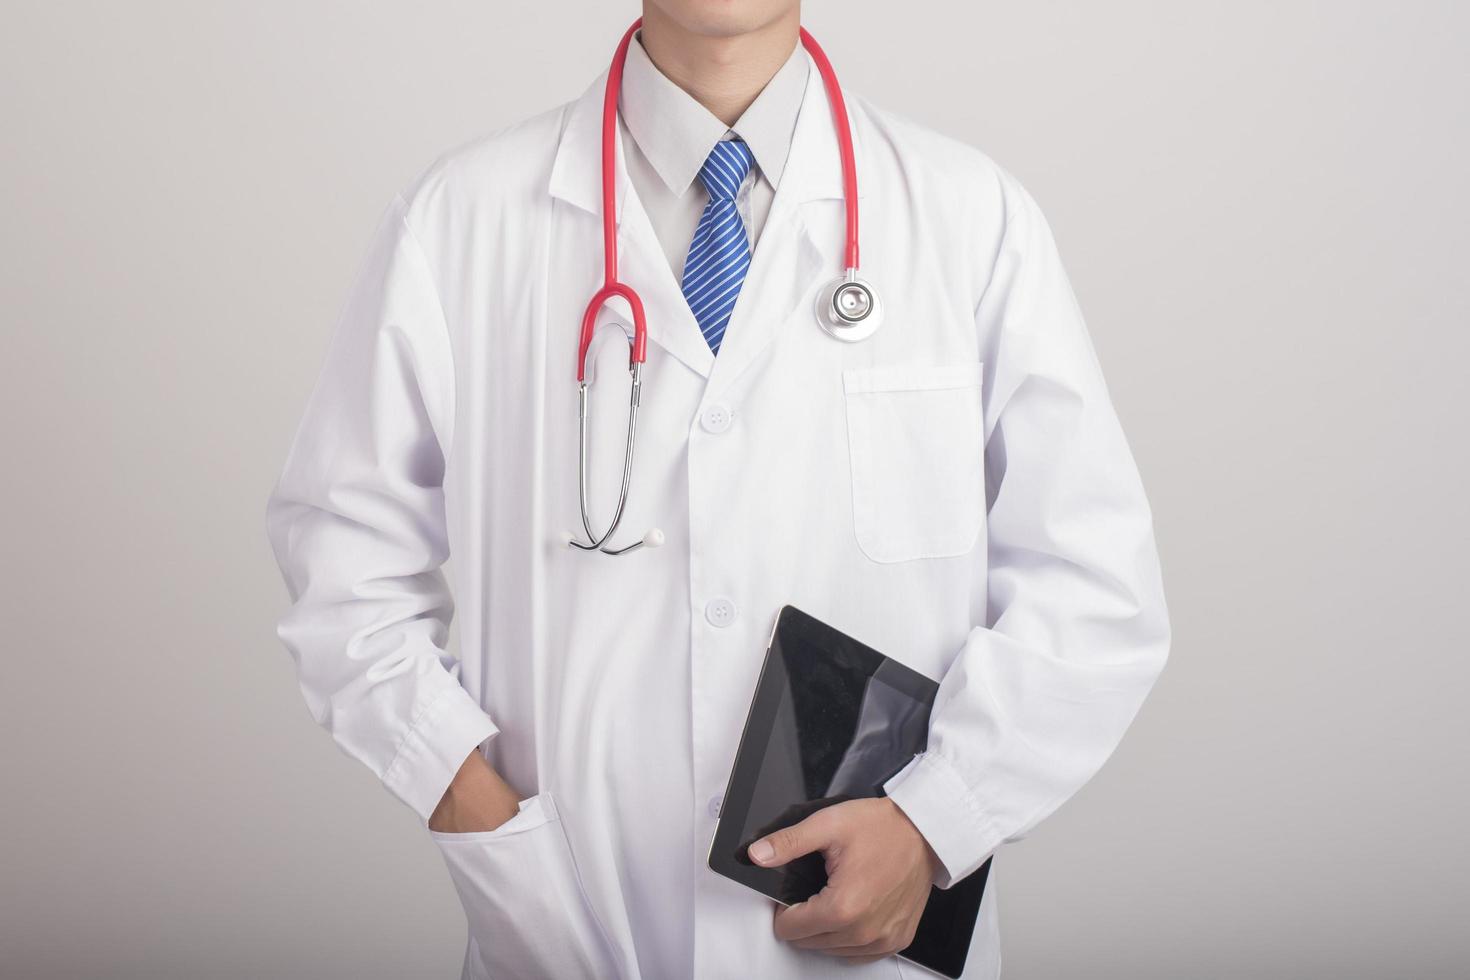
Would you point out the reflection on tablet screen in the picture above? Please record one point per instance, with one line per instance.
(837, 734)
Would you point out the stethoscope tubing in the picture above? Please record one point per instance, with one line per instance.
(847, 308)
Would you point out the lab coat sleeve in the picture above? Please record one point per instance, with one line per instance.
(357, 525)
(1076, 630)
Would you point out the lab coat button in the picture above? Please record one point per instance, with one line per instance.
(720, 612)
(715, 418)
(715, 802)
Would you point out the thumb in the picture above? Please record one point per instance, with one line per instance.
(790, 843)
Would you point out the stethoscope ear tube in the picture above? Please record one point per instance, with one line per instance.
(637, 354)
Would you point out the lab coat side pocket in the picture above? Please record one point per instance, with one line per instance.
(523, 898)
(916, 445)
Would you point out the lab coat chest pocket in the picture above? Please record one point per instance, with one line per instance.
(528, 914)
(916, 442)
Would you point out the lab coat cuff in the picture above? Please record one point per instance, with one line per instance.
(437, 745)
(933, 795)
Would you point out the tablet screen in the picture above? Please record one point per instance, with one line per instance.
(831, 720)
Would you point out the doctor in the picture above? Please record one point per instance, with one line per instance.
(954, 489)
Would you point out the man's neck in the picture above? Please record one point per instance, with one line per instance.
(724, 74)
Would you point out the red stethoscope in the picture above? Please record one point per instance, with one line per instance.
(848, 308)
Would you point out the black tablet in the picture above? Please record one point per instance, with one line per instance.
(832, 719)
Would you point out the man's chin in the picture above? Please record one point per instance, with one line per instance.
(723, 18)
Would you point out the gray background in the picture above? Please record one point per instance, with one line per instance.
(1263, 209)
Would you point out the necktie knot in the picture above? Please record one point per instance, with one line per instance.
(725, 168)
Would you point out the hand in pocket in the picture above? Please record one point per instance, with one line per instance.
(523, 898)
(477, 800)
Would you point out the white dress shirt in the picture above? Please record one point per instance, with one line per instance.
(667, 134)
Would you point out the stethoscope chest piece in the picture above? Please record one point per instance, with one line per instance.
(848, 308)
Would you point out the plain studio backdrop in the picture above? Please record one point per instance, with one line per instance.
(1264, 212)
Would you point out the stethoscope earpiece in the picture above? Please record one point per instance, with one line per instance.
(848, 308)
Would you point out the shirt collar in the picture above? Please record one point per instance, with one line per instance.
(675, 133)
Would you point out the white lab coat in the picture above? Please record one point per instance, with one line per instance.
(955, 491)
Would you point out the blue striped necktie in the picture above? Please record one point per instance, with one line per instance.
(719, 255)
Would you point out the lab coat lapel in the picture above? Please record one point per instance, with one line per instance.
(800, 247)
(576, 177)
(671, 323)
(783, 266)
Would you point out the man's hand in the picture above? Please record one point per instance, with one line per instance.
(478, 799)
(879, 872)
